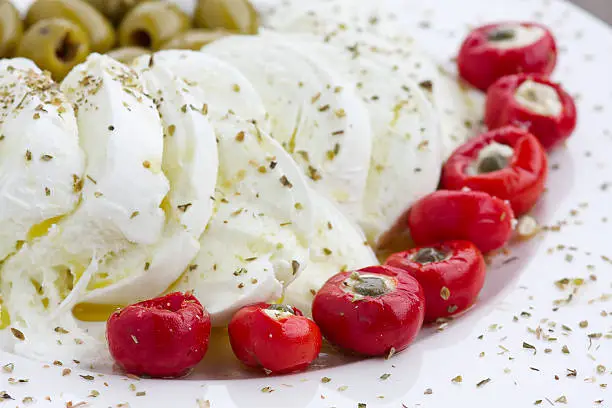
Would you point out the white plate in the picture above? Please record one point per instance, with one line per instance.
(516, 306)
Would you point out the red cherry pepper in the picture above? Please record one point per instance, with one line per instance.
(507, 101)
(473, 216)
(495, 50)
(451, 274)
(517, 175)
(275, 338)
(163, 337)
(374, 311)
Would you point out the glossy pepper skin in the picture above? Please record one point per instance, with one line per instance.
(474, 216)
(370, 325)
(275, 338)
(520, 179)
(502, 109)
(451, 274)
(163, 337)
(487, 55)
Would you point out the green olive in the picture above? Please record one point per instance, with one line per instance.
(127, 54)
(11, 28)
(55, 45)
(194, 39)
(151, 24)
(99, 30)
(238, 16)
(115, 10)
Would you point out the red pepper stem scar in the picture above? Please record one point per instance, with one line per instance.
(282, 308)
(371, 286)
(430, 255)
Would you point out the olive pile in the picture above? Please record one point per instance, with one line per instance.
(59, 34)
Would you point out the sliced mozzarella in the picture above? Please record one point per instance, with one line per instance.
(406, 148)
(457, 112)
(122, 135)
(53, 335)
(321, 16)
(366, 28)
(459, 108)
(39, 154)
(299, 16)
(221, 86)
(315, 114)
(190, 162)
(190, 148)
(337, 245)
(257, 241)
(121, 132)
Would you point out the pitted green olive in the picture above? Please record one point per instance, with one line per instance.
(194, 39)
(114, 10)
(238, 16)
(55, 45)
(11, 28)
(99, 30)
(151, 24)
(127, 54)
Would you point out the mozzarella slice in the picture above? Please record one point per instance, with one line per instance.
(122, 135)
(407, 150)
(369, 28)
(458, 108)
(321, 16)
(299, 16)
(221, 86)
(121, 132)
(314, 113)
(53, 335)
(39, 154)
(190, 162)
(337, 245)
(190, 148)
(457, 114)
(257, 241)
